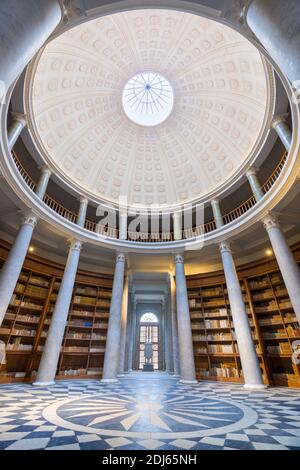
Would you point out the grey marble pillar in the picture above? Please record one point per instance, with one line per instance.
(283, 130)
(177, 226)
(254, 184)
(217, 213)
(186, 351)
(286, 261)
(247, 352)
(122, 365)
(131, 334)
(43, 182)
(248, 356)
(25, 26)
(276, 24)
(82, 212)
(112, 349)
(48, 365)
(15, 129)
(167, 327)
(175, 343)
(123, 225)
(12, 267)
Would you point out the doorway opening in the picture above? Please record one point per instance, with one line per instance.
(149, 332)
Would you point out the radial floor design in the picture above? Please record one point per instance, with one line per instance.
(145, 412)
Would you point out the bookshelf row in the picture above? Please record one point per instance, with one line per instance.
(26, 323)
(275, 329)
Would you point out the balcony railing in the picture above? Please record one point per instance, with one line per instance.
(142, 237)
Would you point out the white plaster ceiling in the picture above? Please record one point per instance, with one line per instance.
(221, 103)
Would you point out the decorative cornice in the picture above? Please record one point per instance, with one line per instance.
(270, 221)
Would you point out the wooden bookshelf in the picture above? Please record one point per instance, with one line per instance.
(26, 323)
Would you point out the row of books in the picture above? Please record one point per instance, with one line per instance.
(83, 349)
(282, 348)
(87, 336)
(18, 303)
(18, 347)
(217, 371)
(216, 324)
(82, 371)
(221, 348)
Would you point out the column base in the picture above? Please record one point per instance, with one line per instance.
(109, 381)
(43, 384)
(188, 382)
(255, 386)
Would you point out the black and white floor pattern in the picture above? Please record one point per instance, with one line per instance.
(148, 412)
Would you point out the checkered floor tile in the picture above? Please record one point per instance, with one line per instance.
(148, 411)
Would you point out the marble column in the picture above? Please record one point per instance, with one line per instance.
(286, 261)
(131, 334)
(250, 365)
(254, 184)
(122, 365)
(82, 212)
(123, 225)
(175, 344)
(25, 26)
(15, 129)
(186, 350)
(48, 365)
(43, 182)
(12, 267)
(283, 130)
(276, 24)
(247, 352)
(217, 213)
(112, 349)
(177, 226)
(167, 327)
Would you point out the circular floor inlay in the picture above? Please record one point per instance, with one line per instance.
(170, 415)
(148, 99)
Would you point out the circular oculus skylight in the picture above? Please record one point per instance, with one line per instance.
(148, 99)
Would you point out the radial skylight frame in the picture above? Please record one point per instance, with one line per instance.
(148, 99)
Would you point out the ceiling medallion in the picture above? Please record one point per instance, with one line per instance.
(148, 99)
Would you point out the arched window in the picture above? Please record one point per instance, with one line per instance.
(149, 318)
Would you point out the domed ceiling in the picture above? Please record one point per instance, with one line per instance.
(217, 111)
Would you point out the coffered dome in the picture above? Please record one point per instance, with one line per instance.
(219, 88)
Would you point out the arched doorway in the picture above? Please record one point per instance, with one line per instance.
(149, 331)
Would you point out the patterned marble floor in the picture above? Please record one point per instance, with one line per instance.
(147, 412)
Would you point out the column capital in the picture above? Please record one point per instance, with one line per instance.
(83, 200)
(45, 170)
(252, 171)
(278, 120)
(179, 259)
(270, 221)
(215, 202)
(75, 245)
(120, 258)
(29, 219)
(20, 117)
(225, 247)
